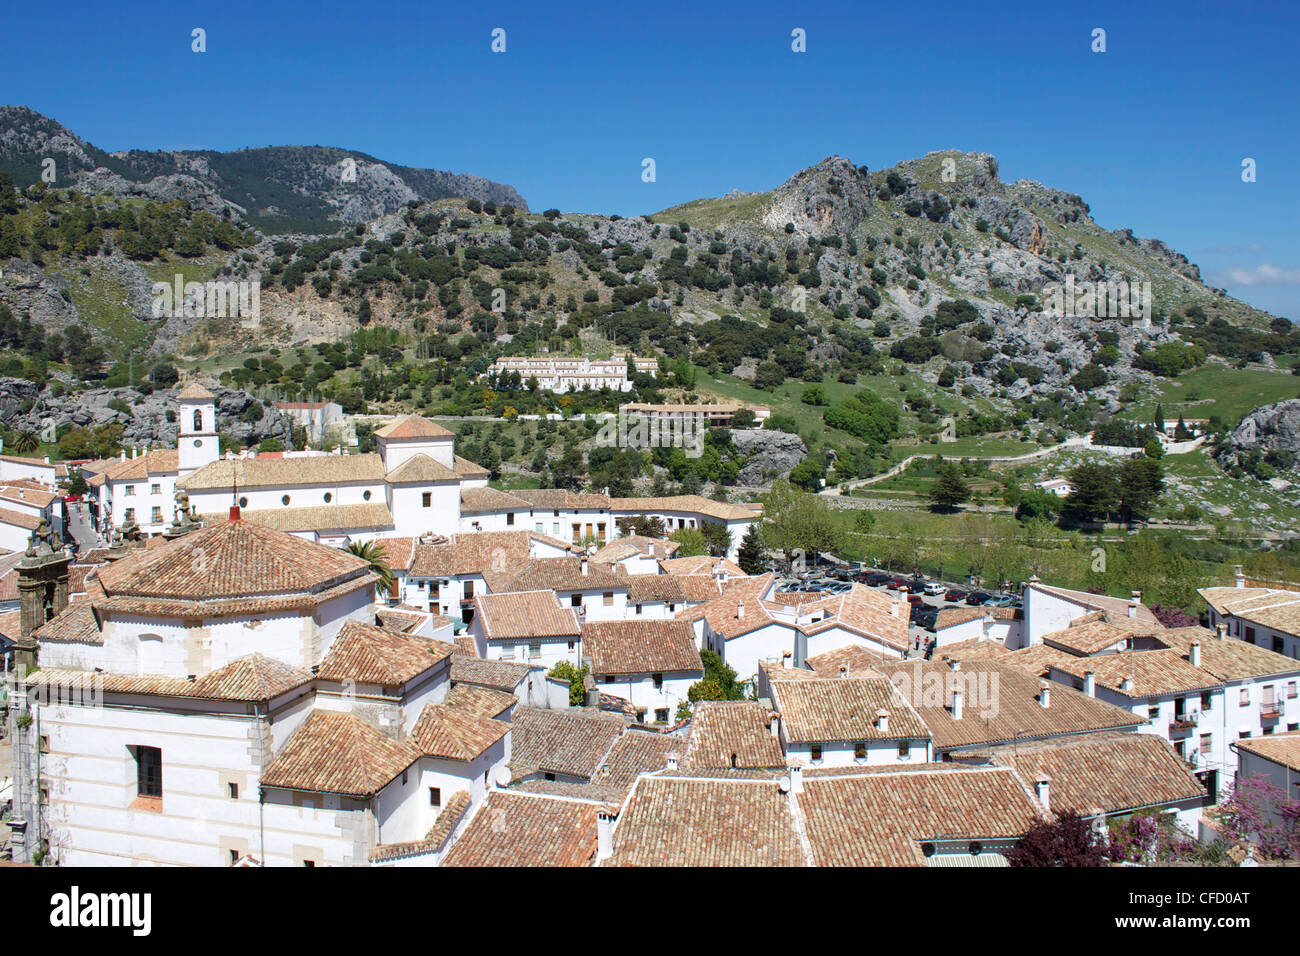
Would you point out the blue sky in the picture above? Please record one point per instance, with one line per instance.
(1151, 133)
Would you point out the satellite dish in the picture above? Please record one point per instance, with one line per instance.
(502, 777)
(784, 784)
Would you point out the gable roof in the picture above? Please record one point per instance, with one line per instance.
(455, 733)
(520, 615)
(731, 734)
(839, 708)
(421, 468)
(572, 741)
(194, 392)
(338, 753)
(412, 427)
(526, 829)
(640, 647)
(370, 654)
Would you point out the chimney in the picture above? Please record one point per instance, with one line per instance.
(672, 760)
(584, 564)
(893, 608)
(604, 836)
(954, 664)
(1042, 790)
(956, 702)
(1044, 694)
(774, 724)
(1223, 631)
(234, 512)
(135, 452)
(796, 779)
(1126, 684)
(1194, 653)
(1090, 683)
(1240, 576)
(1133, 603)
(844, 670)
(882, 720)
(740, 610)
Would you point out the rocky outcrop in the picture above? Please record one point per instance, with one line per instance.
(771, 454)
(200, 196)
(830, 198)
(26, 407)
(1269, 428)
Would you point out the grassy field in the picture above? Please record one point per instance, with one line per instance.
(1216, 390)
(710, 213)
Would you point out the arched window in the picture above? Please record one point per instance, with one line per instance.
(198, 419)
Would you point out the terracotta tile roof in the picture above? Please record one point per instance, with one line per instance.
(700, 564)
(880, 819)
(250, 678)
(194, 392)
(498, 675)
(11, 625)
(75, 625)
(1224, 599)
(523, 829)
(562, 574)
(468, 469)
(551, 499)
(438, 834)
(524, 614)
(1037, 659)
(285, 472)
(836, 708)
(412, 427)
(1283, 749)
(405, 622)
(861, 610)
(421, 468)
(1116, 607)
(325, 519)
(635, 753)
(216, 569)
(483, 701)
(370, 654)
(723, 612)
(19, 519)
(974, 649)
(1115, 772)
(640, 647)
(35, 495)
(1090, 637)
(478, 500)
(731, 734)
(952, 616)
(472, 554)
(677, 821)
(700, 589)
(692, 504)
(859, 661)
(160, 461)
(631, 545)
(994, 714)
(573, 741)
(338, 753)
(456, 732)
(610, 796)
(651, 588)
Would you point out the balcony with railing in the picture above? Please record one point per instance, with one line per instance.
(1184, 722)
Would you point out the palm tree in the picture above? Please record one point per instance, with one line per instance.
(24, 442)
(370, 552)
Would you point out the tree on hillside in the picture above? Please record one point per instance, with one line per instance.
(796, 521)
(1138, 483)
(1095, 494)
(950, 490)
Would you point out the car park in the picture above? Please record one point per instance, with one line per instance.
(926, 617)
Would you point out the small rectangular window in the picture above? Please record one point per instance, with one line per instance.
(510, 519)
(435, 796)
(860, 750)
(816, 753)
(1245, 697)
(233, 788)
(575, 600)
(534, 650)
(148, 771)
(905, 748)
(661, 715)
(308, 862)
(608, 598)
(427, 499)
(659, 681)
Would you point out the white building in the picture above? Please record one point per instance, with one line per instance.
(570, 374)
(1257, 612)
(650, 663)
(530, 627)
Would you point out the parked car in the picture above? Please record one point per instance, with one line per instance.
(926, 617)
(840, 587)
(896, 584)
(976, 598)
(955, 595)
(1000, 600)
(70, 499)
(934, 588)
(915, 599)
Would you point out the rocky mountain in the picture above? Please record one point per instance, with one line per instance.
(309, 189)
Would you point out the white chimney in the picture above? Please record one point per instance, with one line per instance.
(844, 670)
(672, 760)
(774, 725)
(882, 720)
(740, 610)
(1090, 683)
(796, 779)
(1133, 603)
(1044, 694)
(954, 664)
(1126, 684)
(1240, 576)
(956, 703)
(584, 564)
(1042, 790)
(604, 836)
(1194, 653)
(893, 608)
(1223, 631)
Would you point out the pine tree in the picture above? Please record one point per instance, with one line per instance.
(751, 555)
(1160, 417)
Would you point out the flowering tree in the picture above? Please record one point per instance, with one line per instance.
(1068, 841)
(1257, 811)
(1142, 837)
(1172, 616)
